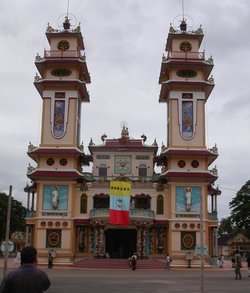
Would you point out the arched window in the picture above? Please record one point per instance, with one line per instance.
(83, 204)
(103, 170)
(142, 201)
(159, 205)
(142, 170)
(101, 201)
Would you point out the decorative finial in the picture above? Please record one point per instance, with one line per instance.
(91, 142)
(183, 25)
(103, 137)
(155, 143)
(144, 138)
(125, 133)
(66, 24)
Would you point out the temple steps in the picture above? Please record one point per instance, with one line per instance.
(111, 263)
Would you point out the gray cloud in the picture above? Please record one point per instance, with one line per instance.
(124, 42)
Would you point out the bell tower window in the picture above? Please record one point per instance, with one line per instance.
(142, 170)
(103, 170)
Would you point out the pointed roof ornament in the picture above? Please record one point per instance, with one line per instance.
(183, 25)
(66, 23)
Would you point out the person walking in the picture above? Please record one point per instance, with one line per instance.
(50, 260)
(27, 278)
(237, 265)
(133, 262)
(168, 262)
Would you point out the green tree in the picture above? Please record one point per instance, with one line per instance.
(240, 209)
(226, 226)
(17, 218)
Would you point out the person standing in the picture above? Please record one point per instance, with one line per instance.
(248, 264)
(237, 265)
(27, 278)
(222, 261)
(17, 261)
(168, 262)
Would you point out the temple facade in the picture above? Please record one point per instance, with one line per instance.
(171, 211)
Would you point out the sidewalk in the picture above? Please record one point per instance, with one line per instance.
(226, 267)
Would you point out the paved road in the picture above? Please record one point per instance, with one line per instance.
(147, 281)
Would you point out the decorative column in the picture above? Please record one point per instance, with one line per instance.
(139, 242)
(96, 241)
(144, 242)
(101, 241)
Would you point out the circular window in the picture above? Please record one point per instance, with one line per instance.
(181, 164)
(50, 224)
(185, 46)
(177, 225)
(184, 226)
(65, 224)
(43, 224)
(63, 45)
(195, 164)
(58, 224)
(63, 162)
(50, 161)
(192, 226)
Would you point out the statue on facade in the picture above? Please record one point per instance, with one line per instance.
(188, 197)
(54, 197)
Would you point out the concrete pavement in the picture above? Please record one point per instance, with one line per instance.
(68, 280)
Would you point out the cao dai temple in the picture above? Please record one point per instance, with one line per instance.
(167, 212)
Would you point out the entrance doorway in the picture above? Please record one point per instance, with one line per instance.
(120, 243)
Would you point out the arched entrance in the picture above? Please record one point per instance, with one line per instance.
(120, 243)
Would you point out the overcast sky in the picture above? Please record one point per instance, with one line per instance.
(124, 41)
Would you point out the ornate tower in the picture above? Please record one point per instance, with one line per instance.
(59, 157)
(185, 86)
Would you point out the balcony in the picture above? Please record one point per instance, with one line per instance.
(134, 214)
(186, 55)
(30, 214)
(63, 54)
(140, 179)
(213, 216)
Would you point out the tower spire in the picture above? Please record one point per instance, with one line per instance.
(68, 9)
(182, 1)
(183, 25)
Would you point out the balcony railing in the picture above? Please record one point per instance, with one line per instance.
(92, 178)
(63, 54)
(186, 55)
(213, 216)
(30, 214)
(133, 213)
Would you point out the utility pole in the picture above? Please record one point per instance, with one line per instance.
(6, 254)
(202, 245)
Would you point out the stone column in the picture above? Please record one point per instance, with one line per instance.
(212, 203)
(28, 200)
(33, 201)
